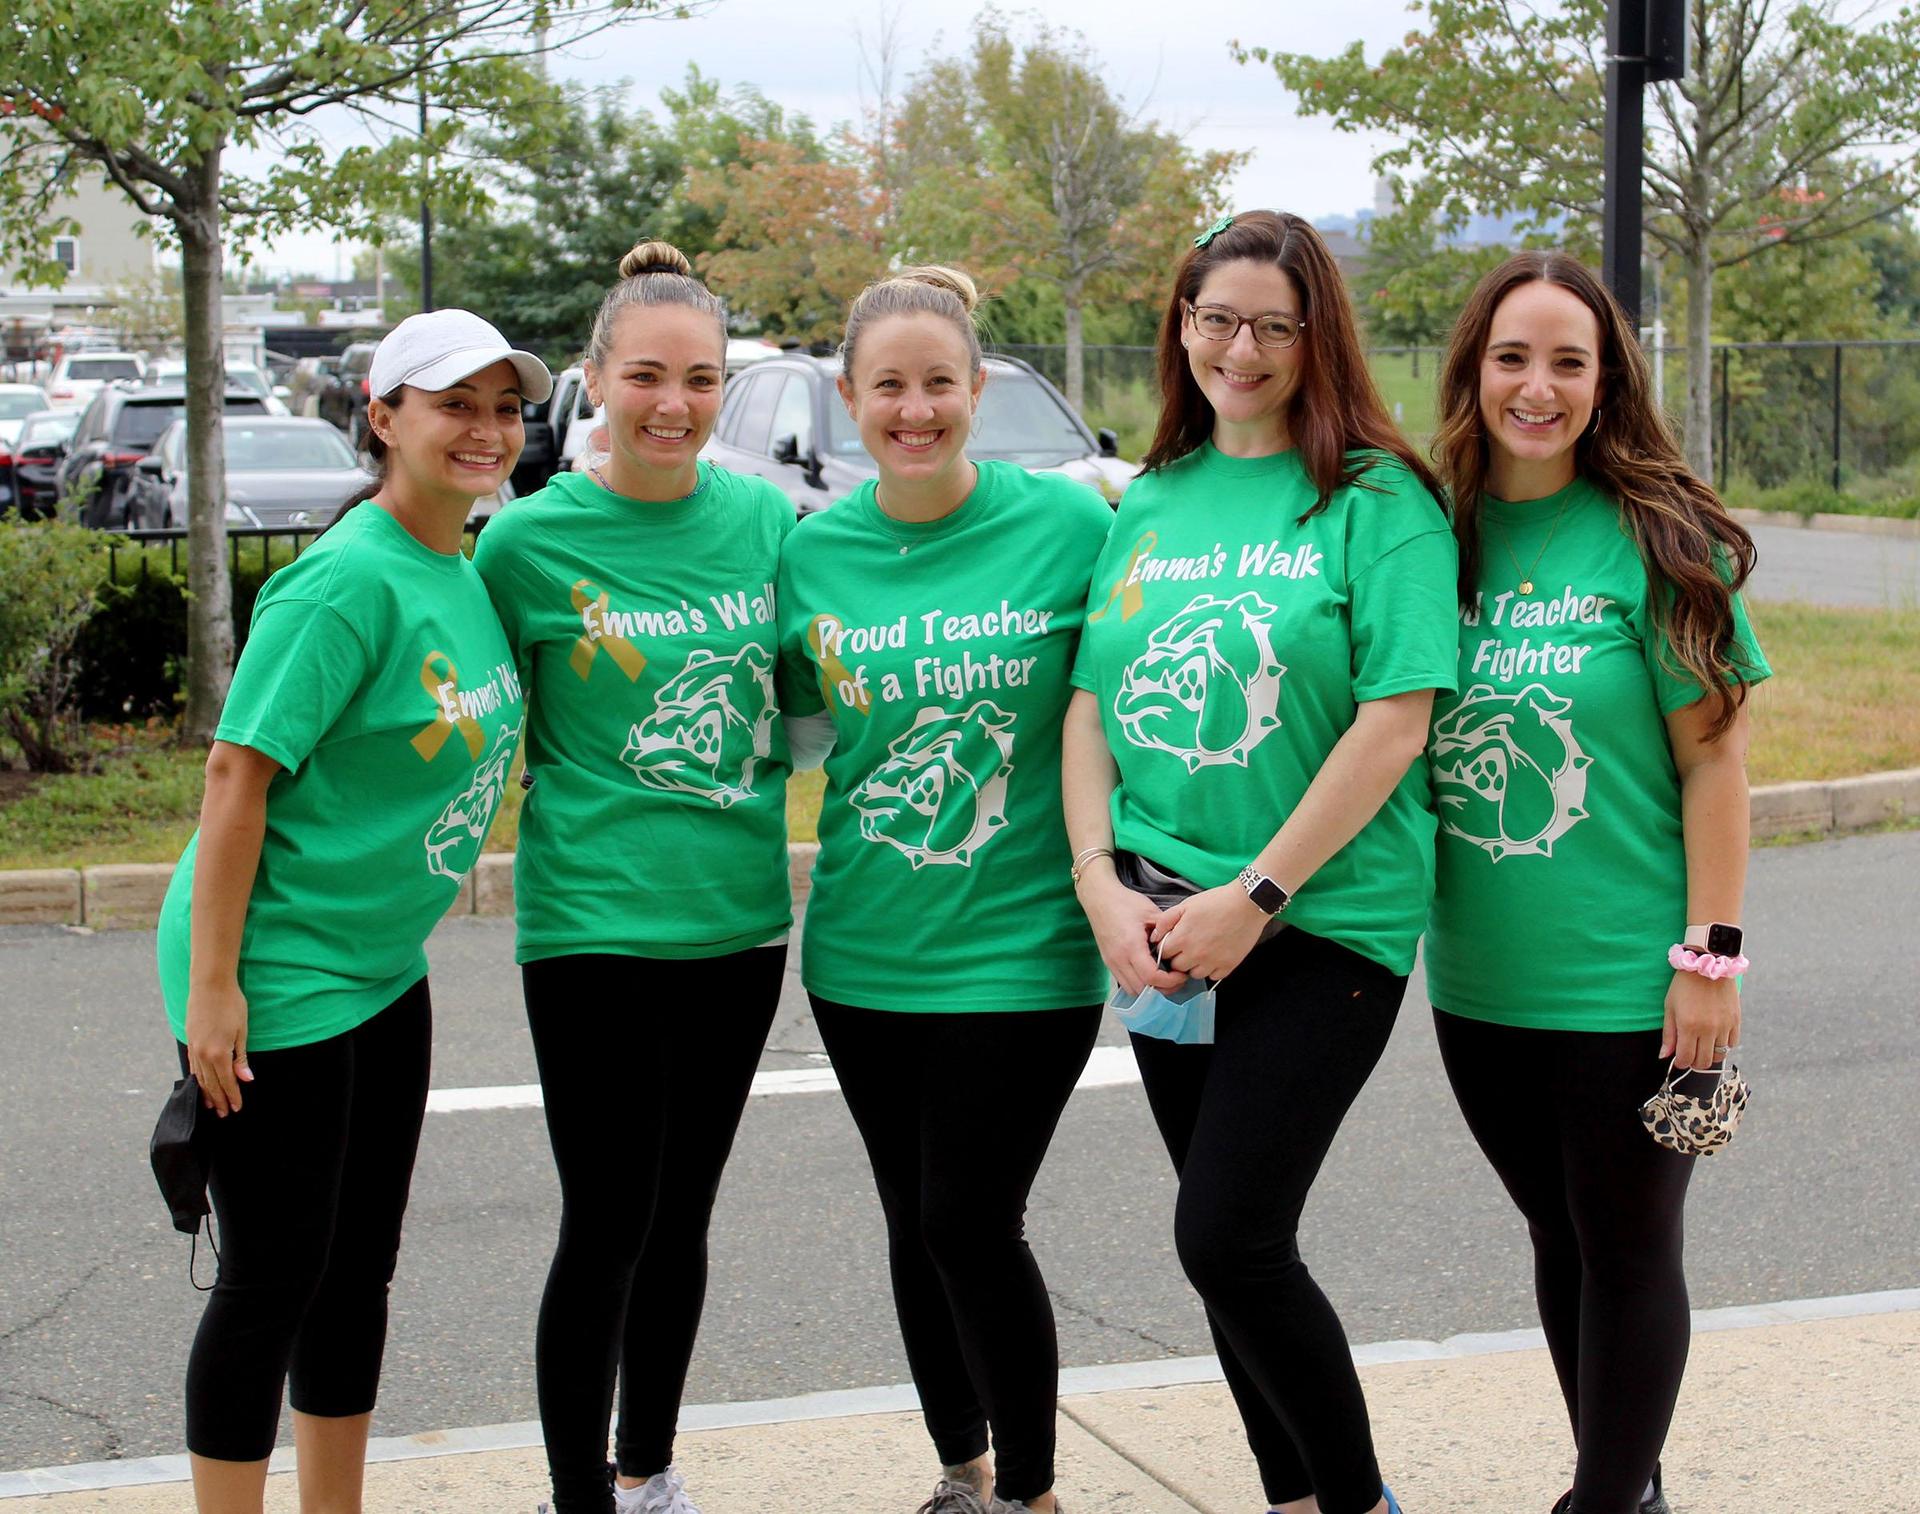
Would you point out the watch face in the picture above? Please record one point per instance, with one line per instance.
(1724, 940)
(1268, 895)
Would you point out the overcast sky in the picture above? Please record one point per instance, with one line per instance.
(1173, 58)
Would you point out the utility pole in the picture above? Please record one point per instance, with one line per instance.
(426, 209)
(1646, 43)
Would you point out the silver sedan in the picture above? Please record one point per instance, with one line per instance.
(282, 471)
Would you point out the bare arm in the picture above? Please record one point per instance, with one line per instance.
(1120, 918)
(1209, 934)
(1703, 1014)
(233, 822)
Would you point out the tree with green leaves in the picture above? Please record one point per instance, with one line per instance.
(1019, 159)
(1415, 284)
(160, 107)
(1793, 125)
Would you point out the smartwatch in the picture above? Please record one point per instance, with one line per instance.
(1268, 897)
(1716, 940)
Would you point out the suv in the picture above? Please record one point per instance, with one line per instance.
(784, 421)
(343, 397)
(77, 377)
(116, 431)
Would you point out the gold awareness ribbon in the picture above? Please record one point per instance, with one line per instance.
(1129, 595)
(834, 672)
(438, 673)
(593, 615)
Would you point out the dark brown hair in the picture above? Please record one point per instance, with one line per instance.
(377, 450)
(1336, 410)
(1696, 554)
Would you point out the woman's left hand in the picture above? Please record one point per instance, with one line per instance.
(1209, 935)
(1703, 1019)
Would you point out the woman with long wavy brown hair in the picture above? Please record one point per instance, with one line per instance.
(1592, 792)
(1270, 620)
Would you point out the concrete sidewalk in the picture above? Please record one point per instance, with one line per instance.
(1816, 1417)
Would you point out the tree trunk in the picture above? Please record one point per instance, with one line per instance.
(1699, 418)
(1076, 350)
(210, 605)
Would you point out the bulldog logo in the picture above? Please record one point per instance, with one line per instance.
(1207, 689)
(1507, 772)
(453, 841)
(711, 726)
(942, 792)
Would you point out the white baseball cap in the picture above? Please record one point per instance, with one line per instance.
(438, 348)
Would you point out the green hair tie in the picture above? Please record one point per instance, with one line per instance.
(1213, 231)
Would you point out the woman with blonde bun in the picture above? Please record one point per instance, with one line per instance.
(930, 619)
(650, 884)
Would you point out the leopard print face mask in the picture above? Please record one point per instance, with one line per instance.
(1694, 1126)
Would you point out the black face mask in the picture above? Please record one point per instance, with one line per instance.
(180, 1157)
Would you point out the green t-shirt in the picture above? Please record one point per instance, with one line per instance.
(646, 633)
(1562, 868)
(376, 675)
(1229, 644)
(942, 651)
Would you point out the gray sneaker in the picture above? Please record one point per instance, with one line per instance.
(951, 1497)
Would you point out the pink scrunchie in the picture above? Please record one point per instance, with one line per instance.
(1685, 959)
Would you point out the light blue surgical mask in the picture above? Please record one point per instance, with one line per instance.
(1183, 1015)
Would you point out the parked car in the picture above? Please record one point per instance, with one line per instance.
(343, 399)
(77, 377)
(173, 370)
(116, 430)
(17, 402)
(310, 375)
(783, 420)
(28, 471)
(744, 351)
(281, 471)
(552, 442)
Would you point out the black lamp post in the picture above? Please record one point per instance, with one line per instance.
(1646, 43)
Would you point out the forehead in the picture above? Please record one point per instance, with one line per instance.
(1249, 286)
(912, 339)
(670, 333)
(1544, 315)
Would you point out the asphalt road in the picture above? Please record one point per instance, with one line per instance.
(1407, 1229)
(1836, 568)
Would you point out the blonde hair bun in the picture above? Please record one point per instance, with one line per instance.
(940, 276)
(655, 257)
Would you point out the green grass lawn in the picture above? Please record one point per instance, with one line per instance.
(1844, 699)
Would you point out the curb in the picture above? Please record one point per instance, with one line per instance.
(127, 896)
(1853, 525)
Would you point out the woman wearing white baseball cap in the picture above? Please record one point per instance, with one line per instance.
(356, 769)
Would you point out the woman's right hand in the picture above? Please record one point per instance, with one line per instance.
(1121, 921)
(217, 1044)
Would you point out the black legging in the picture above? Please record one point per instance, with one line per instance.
(1557, 1113)
(1248, 1121)
(645, 1064)
(957, 1111)
(309, 1183)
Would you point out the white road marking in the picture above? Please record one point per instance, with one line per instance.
(1108, 1067)
(894, 1398)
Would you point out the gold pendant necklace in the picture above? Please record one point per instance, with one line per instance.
(1526, 579)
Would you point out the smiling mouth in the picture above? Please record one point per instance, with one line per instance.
(1242, 380)
(916, 441)
(487, 460)
(668, 433)
(1536, 420)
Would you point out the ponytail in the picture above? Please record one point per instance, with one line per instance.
(377, 450)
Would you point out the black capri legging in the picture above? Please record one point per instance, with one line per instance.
(1248, 1121)
(1557, 1113)
(954, 1169)
(646, 1065)
(309, 1184)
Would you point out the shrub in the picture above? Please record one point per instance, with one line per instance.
(52, 573)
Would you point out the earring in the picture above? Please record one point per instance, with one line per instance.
(1595, 426)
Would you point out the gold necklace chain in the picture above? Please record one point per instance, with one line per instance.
(1526, 578)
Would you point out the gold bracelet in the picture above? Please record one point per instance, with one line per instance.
(1086, 856)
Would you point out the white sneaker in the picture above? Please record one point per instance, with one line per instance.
(663, 1493)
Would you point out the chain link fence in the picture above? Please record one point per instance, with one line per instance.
(1797, 425)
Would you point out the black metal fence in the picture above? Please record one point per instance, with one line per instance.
(146, 548)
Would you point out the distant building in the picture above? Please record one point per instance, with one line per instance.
(109, 252)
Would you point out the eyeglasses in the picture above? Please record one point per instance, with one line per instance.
(1219, 323)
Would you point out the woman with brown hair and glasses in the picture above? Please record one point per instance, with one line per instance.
(1591, 779)
(1269, 622)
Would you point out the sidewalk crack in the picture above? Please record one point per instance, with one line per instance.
(1191, 1500)
(60, 1301)
(1080, 1311)
(112, 1444)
